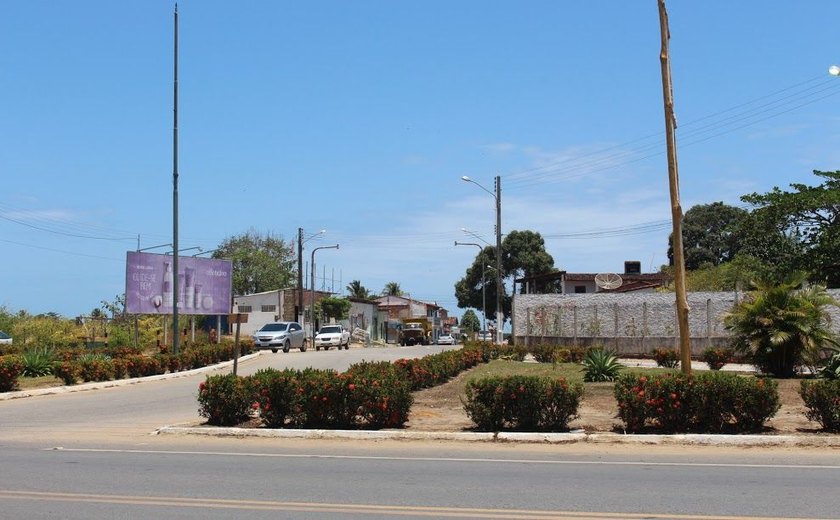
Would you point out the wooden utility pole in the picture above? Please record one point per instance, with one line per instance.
(674, 183)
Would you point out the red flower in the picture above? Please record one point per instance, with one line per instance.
(351, 387)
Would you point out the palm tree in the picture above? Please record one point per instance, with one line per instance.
(782, 326)
(357, 290)
(392, 289)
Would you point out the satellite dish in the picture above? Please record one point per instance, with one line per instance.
(608, 281)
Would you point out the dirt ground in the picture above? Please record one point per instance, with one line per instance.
(440, 409)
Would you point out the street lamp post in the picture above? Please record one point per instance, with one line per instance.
(312, 288)
(483, 283)
(301, 241)
(498, 197)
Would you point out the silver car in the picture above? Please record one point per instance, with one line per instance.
(284, 335)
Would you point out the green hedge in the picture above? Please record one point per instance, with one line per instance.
(10, 369)
(822, 398)
(710, 402)
(529, 403)
(368, 395)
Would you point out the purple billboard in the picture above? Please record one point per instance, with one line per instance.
(204, 284)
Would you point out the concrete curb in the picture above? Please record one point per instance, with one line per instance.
(821, 441)
(5, 396)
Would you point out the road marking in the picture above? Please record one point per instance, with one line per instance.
(451, 459)
(356, 509)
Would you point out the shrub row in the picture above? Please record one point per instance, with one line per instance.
(822, 398)
(128, 363)
(367, 395)
(529, 403)
(711, 402)
(10, 369)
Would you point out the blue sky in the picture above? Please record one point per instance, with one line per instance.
(361, 117)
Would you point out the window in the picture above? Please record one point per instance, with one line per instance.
(245, 308)
(580, 289)
(268, 308)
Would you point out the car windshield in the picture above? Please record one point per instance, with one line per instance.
(3, 335)
(330, 330)
(274, 327)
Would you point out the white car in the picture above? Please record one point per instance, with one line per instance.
(5, 339)
(332, 336)
(445, 339)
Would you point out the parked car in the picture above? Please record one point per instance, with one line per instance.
(284, 335)
(445, 339)
(5, 339)
(485, 335)
(332, 336)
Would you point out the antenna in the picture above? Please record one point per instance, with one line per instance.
(608, 281)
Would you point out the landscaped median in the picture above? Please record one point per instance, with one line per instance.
(515, 399)
(73, 365)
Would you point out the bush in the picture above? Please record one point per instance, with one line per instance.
(717, 357)
(379, 394)
(601, 365)
(822, 398)
(831, 369)
(96, 368)
(38, 362)
(545, 353)
(11, 367)
(709, 403)
(665, 357)
(225, 400)
(68, 371)
(529, 403)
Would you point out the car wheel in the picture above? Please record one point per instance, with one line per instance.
(286, 346)
(303, 346)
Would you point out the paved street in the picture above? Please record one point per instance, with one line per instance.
(94, 455)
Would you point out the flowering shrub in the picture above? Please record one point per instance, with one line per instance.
(711, 402)
(225, 400)
(666, 357)
(68, 371)
(96, 369)
(11, 368)
(379, 394)
(822, 398)
(717, 357)
(529, 403)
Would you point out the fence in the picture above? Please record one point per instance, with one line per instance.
(630, 324)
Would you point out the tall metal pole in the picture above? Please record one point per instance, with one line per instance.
(483, 283)
(500, 315)
(312, 288)
(299, 313)
(674, 184)
(176, 287)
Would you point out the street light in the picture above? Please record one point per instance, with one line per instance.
(154, 247)
(312, 288)
(498, 197)
(834, 70)
(186, 249)
(301, 241)
(483, 284)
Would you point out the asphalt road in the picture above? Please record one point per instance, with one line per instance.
(260, 478)
(93, 455)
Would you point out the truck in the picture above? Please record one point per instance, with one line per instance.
(415, 331)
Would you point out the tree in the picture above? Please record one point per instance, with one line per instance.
(710, 235)
(392, 289)
(523, 254)
(260, 262)
(357, 290)
(469, 322)
(782, 326)
(808, 217)
(331, 307)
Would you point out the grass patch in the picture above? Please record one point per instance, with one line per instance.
(31, 383)
(572, 372)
